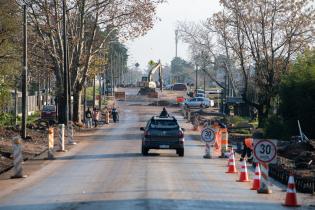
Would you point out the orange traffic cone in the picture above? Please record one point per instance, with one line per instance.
(290, 199)
(256, 183)
(231, 165)
(243, 174)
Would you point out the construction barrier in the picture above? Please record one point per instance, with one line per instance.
(302, 184)
(61, 137)
(70, 133)
(50, 143)
(217, 145)
(17, 158)
(120, 95)
(224, 142)
(264, 183)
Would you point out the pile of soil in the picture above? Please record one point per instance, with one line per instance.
(303, 154)
(34, 145)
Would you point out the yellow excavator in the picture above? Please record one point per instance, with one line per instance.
(147, 84)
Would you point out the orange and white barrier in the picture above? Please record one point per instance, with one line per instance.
(264, 183)
(244, 173)
(290, 199)
(224, 142)
(50, 143)
(256, 183)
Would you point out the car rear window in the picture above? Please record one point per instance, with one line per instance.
(164, 124)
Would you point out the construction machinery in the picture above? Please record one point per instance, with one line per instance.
(147, 85)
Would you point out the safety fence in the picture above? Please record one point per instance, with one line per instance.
(281, 174)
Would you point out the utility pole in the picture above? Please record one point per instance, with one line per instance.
(196, 77)
(65, 68)
(24, 77)
(176, 42)
(94, 91)
(111, 72)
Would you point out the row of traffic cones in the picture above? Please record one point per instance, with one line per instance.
(290, 200)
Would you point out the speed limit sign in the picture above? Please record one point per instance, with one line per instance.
(207, 135)
(265, 150)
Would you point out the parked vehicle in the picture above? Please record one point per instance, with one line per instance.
(162, 133)
(179, 87)
(200, 95)
(49, 113)
(201, 102)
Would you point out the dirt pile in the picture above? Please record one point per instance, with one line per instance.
(302, 153)
(32, 146)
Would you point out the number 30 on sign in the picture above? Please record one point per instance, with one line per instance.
(265, 150)
(207, 135)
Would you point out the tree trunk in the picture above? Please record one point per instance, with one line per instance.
(77, 105)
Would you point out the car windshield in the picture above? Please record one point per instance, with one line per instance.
(163, 123)
(49, 108)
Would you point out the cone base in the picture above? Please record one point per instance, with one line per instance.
(290, 205)
(231, 172)
(264, 191)
(18, 176)
(243, 180)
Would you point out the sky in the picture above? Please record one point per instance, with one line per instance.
(159, 43)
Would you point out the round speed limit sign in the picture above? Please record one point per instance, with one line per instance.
(265, 151)
(207, 135)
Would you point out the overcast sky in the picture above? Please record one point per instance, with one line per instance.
(159, 43)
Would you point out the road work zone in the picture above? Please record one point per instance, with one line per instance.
(107, 171)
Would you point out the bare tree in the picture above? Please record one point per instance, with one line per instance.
(264, 36)
(88, 23)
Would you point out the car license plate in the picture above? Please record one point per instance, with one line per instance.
(164, 146)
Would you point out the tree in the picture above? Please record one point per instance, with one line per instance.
(181, 70)
(90, 25)
(297, 95)
(10, 23)
(263, 36)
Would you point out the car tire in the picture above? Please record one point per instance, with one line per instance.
(144, 151)
(180, 152)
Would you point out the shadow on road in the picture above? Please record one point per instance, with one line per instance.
(144, 204)
(99, 156)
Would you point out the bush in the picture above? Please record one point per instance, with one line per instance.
(276, 128)
(6, 119)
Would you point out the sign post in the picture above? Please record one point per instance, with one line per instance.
(208, 136)
(265, 151)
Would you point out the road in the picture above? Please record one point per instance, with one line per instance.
(106, 171)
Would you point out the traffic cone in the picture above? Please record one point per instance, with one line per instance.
(230, 153)
(231, 165)
(256, 183)
(243, 174)
(290, 199)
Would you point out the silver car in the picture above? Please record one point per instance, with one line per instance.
(198, 102)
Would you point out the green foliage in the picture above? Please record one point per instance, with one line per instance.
(236, 120)
(297, 96)
(276, 128)
(6, 119)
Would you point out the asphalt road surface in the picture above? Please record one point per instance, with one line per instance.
(107, 171)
